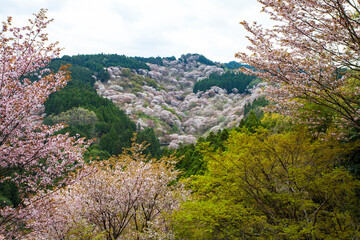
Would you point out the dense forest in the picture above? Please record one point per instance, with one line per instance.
(110, 127)
(228, 80)
(97, 62)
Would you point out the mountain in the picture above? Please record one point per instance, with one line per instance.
(161, 97)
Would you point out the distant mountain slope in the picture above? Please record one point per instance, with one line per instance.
(162, 98)
(90, 115)
(155, 93)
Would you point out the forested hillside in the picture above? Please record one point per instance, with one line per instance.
(172, 123)
(112, 147)
(163, 97)
(88, 114)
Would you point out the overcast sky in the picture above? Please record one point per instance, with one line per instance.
(143, 27)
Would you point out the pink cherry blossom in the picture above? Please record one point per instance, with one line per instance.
(310, 58)
(31, 154)
(125, 197)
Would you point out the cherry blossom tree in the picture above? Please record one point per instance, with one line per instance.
(310, 59)
(124, 197)
(32, 155)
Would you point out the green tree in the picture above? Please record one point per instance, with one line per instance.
(272, 186)
(148, 136)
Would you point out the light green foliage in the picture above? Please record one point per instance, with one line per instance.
(135, 81)
(85, 231)
(76, 116)
(216, 219)
(254, 82)
(146, 104)
(151, 82)
(172, 111)
(276, 123)
(272, 186)
(256, 106)
(136, 89)
(221, 118)
(96, 152)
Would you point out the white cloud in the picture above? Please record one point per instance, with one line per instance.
(144, 28)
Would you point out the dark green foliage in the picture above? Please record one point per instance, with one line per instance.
(113, 129)
(172, 58)
(148, 136)
(4, 201)
(205, 61)
(116, 139)
(229, 80)
(256, 106)
(83, 67)
(191, 157)
(191, 160)
(9, 194)
(78, 73)
(251, 123)
(97, 61)
(353, 162)
(153, 60)
(96, 152)
(183, 59)
(236, 65)
(82, 130)
(75, 94)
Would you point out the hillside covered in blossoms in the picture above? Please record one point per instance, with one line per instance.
(162, 98)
